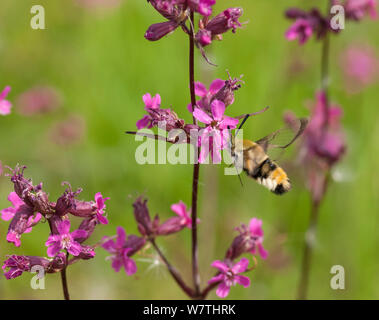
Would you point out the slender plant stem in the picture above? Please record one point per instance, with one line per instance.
(173, 271)
(196, 167)
(64, 281)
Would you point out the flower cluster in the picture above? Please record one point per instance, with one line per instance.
(313, 22)
(31, 205)
(176, 13)
(126, 246)
(209, 109)
(249, 240)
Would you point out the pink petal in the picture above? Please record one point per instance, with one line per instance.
(64, 227)
(217, 278)
(102, 219)
(110, 246)
(121, 236)
(216, 85)
(117, 264)
(262, 252)
(15, 199)
(7, 214)
(180, 209)
(222, 290)
(5, 107)
(156, 101)
(5, 92)
(54, 249)
(202, 116)
(228, 123)
(255, 227)
(143, 123)
(200, 89)
(147, 100)
(240, 266)
(220, 266)
(242, 280)
(218, 109)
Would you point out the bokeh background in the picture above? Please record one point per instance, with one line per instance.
(92, 65)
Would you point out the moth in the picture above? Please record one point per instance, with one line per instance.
(252, 156)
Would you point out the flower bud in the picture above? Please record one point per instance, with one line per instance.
(171, 225)
(142, 216)
(226, 20)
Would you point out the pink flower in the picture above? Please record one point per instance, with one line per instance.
(249, 240)
(100, 204)
(65, 240)
(205, 94)
(5, 105)
(229, 276)
(323, 136)
(360, 66)
(9, 213)
(181, 210)
(225, 21)
(156, 115)
(357, 9)
(38, 100)
(301, 30)
(120, 253)
(204, 7)
(256, 232)
(215, 135)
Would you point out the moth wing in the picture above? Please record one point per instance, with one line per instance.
(275, 143)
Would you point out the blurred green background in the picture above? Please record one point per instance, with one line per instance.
(101, 64)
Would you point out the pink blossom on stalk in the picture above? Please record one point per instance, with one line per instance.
(5, 105)
(174, 11)
(181, 210)
(205, 94)
(204, 7)
(357, 9)
(38, 100)
(8, 213)
(323, 136)
(301, 30)
(120, 253)
(215, 27)
(249, 240)
(156, 115)
(229, 276)
(65, 240)
(360, 66)
(216, 134)
(100, 206)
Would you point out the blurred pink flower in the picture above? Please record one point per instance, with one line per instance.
(38, 100)
(357, 9)
(300, 30)
(323, 135)
(120, 253)
(94, 4)
(68, 131)
(229, 276)
(5, 105)
(360, 67)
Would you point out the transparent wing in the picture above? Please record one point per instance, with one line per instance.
(284, 137)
